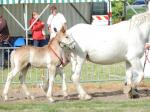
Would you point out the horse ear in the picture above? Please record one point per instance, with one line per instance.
(63, 29)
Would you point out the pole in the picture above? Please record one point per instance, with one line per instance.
(26, 22)
(14, 17)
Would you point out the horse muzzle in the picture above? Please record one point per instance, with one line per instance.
(70, 45)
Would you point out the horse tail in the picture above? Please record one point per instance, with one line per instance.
(12, 59)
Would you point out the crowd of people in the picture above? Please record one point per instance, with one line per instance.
(54, 22)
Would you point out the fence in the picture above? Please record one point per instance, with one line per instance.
(90, 72)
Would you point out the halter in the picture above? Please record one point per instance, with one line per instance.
(60, 58)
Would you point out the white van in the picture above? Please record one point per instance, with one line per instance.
(101, 13)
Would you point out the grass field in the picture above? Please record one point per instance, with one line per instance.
(79, 106)
(107, 100)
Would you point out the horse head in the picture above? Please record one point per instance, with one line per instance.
(64, 39)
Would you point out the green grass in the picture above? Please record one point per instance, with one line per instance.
(79, 106)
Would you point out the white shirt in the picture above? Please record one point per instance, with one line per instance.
(57, 22)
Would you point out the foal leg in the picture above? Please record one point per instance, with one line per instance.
(52, 71)
(22, 81)
(76, 79)
(64, 86)
(8, 81)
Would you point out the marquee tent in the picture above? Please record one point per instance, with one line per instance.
(25, 3)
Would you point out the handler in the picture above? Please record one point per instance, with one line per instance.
(55, 21)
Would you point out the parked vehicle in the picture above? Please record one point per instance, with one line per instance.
(139, 2)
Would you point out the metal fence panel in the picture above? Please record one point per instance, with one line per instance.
(90, 72)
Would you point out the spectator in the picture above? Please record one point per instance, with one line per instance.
(4, 37)
(4, 31)
(37, 30)
(55, 21)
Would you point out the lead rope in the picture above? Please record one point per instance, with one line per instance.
(146, 58)
(60, 58)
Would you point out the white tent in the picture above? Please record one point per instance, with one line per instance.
(25, 4)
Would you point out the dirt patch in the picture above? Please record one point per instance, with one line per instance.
(111, 91)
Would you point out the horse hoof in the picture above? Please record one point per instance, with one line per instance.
(85, 97)
(5, 98)
(30, 97)
(88, 97)
(67, 97)
(133, 94)
(51, 100)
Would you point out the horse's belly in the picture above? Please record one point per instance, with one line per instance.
(40, 62)
(39, 65)
(105, 58)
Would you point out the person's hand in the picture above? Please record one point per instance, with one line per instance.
(49, 28)
(42, 23)
(147, 46)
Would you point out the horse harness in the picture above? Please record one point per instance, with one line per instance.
(60, 58)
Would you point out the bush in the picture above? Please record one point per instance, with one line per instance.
(118, 10)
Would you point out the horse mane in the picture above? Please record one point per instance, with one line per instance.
(139, 19)
(53, 39)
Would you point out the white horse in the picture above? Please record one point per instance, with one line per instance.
(111, 44)
(50, 56)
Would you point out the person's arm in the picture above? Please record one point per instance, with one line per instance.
(49, 28)
(64, 22)
(49, 20)
(38, 26)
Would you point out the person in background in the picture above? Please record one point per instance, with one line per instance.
(38, 33)
(4, 31)
(55, 21)
(4, 41)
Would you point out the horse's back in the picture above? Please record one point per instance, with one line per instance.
(106, 44)
(99, 34)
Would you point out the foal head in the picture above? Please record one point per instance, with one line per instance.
(63, 40)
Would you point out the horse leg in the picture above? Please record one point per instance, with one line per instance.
(137, 67)
(52, 71)
(10, 76)
(64, 86)
(136, 64)
(76, 78)
(73, 62)
(128, 81)
(22, 81)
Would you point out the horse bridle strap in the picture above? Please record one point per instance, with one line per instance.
(60, 58)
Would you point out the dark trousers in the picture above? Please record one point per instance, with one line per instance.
(39, 43)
